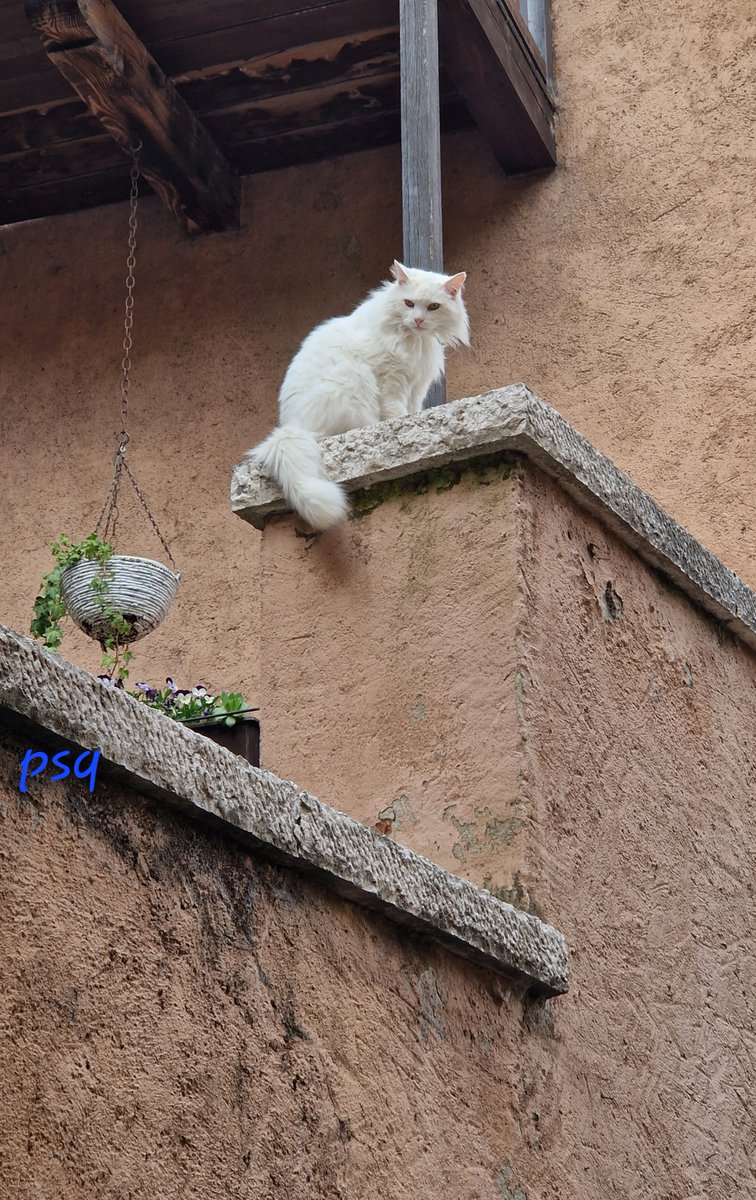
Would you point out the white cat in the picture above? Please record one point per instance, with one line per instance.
(378, 362)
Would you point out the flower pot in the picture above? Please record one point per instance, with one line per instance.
(243, 738)
(140, 588)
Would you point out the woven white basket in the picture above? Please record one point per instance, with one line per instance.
(140, 588)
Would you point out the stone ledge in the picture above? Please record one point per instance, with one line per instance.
(55, 701)
(512, 418)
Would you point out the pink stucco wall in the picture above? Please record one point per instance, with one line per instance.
(617, 288)
(598, 768)
(640, 778)
(180, 1019)
(388, 663)
(504, 630)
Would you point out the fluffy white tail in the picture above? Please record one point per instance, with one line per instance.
(292, 457)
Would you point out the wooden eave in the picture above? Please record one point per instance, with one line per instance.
(269, 83)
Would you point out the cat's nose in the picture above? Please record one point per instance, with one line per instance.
(419, 321)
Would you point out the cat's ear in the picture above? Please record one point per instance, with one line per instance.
(399, 272)
(454, 285)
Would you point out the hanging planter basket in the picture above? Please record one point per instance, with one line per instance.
(115, 599)
(139, 588)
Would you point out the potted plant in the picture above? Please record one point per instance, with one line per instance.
(224, 718)
(114, 598)
(117, 599)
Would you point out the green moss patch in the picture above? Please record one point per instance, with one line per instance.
(485, 470)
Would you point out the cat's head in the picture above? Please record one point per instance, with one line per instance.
(427, 304)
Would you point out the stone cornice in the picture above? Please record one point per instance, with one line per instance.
(512, 418)
(53, 701)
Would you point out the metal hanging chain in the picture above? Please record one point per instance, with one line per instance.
(151, 519)
(128, 316)
(109, 513)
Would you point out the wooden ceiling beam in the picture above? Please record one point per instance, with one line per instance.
(101, 57)
(496, 67)
(358, 124)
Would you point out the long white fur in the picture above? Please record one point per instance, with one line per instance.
(376, 363)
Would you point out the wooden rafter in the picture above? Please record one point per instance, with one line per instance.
(496, 67)
(101, 57)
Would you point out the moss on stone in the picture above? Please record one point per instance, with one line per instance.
(485, 470)
(517, 895)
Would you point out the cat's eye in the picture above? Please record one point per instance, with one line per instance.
(433, 307)
(410, 303)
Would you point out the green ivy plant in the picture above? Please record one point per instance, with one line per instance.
(50, 607)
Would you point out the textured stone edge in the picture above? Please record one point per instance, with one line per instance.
(59, 702)
(512, 418)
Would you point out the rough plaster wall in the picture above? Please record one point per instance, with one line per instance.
(179, 1020)
(215, 323)
(618, 287)
(629, 718)
(640, 774)
(388, 664)
(217, 319)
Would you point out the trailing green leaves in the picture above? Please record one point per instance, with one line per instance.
(50, 607)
